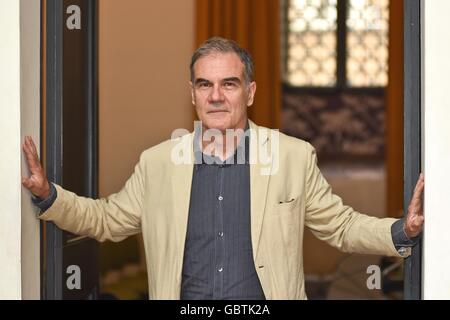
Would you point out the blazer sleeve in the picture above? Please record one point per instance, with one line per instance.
(339, 225)
(113, 218)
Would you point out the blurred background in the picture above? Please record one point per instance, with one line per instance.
(328, 71)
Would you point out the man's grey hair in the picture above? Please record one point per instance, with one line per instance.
(221, 45)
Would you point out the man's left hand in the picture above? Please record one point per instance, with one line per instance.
(414, 220)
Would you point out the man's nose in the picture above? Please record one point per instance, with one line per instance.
(216, 94)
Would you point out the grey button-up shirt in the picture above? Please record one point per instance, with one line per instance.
(218, 256)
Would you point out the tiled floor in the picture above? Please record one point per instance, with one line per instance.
(349, 282)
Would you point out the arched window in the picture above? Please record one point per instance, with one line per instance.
(336, 43)
(335, 55)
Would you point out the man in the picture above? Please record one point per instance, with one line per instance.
(214, 228)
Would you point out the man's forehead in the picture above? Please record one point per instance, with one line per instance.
(218, 64)
(220, 59)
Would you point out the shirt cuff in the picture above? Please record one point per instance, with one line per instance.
(399, 237)
(44, 204)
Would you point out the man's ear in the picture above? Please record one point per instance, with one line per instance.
(192, 92)
(251, 93)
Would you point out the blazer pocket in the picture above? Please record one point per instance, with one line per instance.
(287, 207)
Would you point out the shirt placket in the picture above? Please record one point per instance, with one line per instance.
(219, 238)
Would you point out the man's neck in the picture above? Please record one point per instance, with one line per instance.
(225, 146)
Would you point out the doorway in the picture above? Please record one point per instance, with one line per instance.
(69, 263)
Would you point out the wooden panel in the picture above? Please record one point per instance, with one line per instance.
(394, 113)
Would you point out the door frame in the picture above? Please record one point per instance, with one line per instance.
(52, 239)
(412, 134)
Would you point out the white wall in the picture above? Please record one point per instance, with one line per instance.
(19, 107)
(436, 86)
(10, 270)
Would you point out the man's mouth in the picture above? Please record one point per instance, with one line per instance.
(217, 111)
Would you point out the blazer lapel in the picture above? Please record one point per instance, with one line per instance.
(259, 182)
(181, 187)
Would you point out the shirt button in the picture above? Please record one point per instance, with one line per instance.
(221, 234)
(220, 269)
(220, 198)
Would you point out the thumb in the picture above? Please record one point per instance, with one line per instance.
(27, 183)
(421, 220)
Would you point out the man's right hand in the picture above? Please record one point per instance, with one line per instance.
(37, 183)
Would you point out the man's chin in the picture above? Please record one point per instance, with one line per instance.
(217, 125)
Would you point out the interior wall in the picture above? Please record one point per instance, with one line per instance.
(19, 100)
(144, 54)
(9, 162)
(436, 65)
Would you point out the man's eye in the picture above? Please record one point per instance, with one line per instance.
(229, 84)
(204, 85)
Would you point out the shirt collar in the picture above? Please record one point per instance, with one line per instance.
(240, 156)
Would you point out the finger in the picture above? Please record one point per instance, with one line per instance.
(33, 164)
(416, 202)
(417, 224)
(25, 144)
(29, 154)
(416, 210)
(27, 183)
(27, 147)
(416, 206)
(419, 220)
(419, 190)
(420, 184)
(24, 148)
(33, 146)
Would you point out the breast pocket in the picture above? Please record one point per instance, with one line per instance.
(286, 220)
(287, 207)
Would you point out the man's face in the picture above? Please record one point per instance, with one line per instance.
(220, 92)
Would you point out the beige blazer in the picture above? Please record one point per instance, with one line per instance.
(288, 193)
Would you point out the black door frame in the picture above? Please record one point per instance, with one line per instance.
(52, 257)
(52, 260)
(412, 131)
